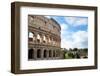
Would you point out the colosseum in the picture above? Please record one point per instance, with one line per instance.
(44, 41)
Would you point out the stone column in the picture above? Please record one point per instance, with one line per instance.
(34, 38)
(42, 38)
(42, 53)
(52, 41)
(35, 53)
(52, 53)
(48, 40)
(56, 52)
(47, 54)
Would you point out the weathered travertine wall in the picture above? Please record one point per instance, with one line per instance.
(44, 38)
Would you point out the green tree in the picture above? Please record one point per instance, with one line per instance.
(75, 49)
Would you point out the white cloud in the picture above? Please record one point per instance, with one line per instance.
(77, 39)
(70, 20)
(64, 27)
(80, 39)
(76, 21)
(66, 44)
(81, 21)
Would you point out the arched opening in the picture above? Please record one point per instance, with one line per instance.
(45, 53)
(38, 53)
(53, 53)
(30, 54)
(38, 38)
(49, 40)
(44, 39)
(38, 41)
(50, 53)
(30, 36)
(57, 53)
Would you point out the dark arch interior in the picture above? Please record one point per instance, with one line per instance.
(30, 53)
(38, 53)
(53, 53)
(45, 53)
(38, 40)
(50, 53)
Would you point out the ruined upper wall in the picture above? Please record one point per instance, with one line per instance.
(44, 23)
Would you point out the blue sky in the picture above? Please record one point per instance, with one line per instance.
(74, 31)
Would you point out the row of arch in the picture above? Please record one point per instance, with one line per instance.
(42, 54)
(43, 39)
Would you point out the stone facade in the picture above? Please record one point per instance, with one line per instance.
(44, 41)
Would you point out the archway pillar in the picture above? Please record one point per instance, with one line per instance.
(35, 53)
(34, 38)
(51, 53)
(42, 53)
(47, 39)
(55, 53)
(42, 38)
(47, 54)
